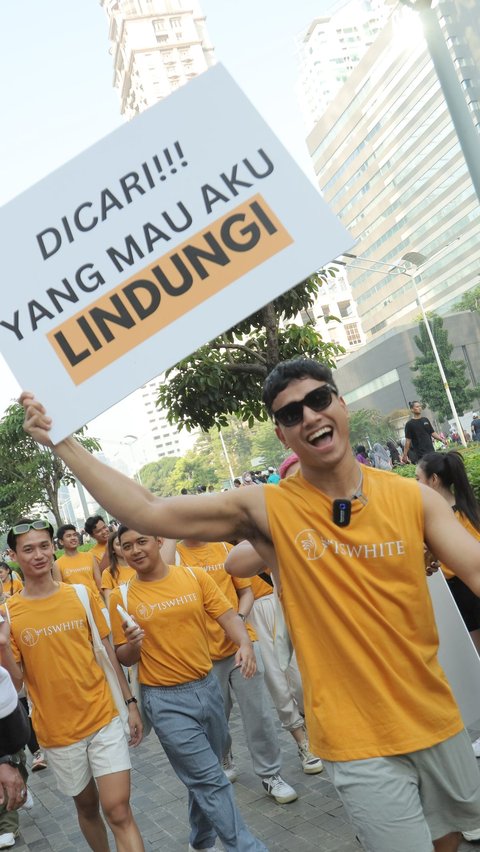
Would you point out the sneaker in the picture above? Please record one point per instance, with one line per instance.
(476, 747)
(311, 765)
(471, 835)
(8, 839)
(229, 768)
(279, 790)
(205, 848)
(38, 761)
(28, 803)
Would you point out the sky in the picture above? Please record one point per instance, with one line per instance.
(58, 95)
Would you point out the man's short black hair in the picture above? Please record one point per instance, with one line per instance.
(121, 530)
(12, 538)
(287, 371)
(92, 522)
(63, 529)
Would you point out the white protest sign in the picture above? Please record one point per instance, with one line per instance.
(456, 654)
(151, 243)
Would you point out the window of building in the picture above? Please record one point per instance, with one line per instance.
(353, 333)
(162, 38)
(175, 23)
(370, 387)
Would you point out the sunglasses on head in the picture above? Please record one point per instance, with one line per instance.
(317, 400)
(40, 524)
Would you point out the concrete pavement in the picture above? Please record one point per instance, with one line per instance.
(316, 822)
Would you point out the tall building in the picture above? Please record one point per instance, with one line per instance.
(157, 46)
(389, 162)
(331, 48)
(166, 439)
(335, 314)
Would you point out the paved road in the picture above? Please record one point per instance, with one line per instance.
(314, 823)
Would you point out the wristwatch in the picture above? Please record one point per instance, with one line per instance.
(131, 700)
(12, 759)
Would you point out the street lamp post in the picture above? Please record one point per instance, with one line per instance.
(417, 260)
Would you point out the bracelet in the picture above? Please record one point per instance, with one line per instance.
(131, 700)
(242, 616)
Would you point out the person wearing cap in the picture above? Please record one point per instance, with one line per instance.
(14, 734)
(48, 645)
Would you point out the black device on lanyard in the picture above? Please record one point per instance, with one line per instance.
(342, 509)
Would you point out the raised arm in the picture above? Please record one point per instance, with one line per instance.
(449, 541)
(235, 514)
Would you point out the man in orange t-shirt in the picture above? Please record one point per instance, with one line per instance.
(76, 566)
(48, 645)
(181, 696)
(96, 527)
(345, 545)
(251, 695)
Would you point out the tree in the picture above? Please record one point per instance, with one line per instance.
(226, 376)
(470, 300)
(428, 382)
(154, 475)
(31, 474)
(368, 424)
(191, 470)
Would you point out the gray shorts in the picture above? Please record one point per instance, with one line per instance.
(405, 801)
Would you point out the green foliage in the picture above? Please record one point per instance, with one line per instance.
(191, 470)
(471, 457)
(31, 475)
(428, 382)
(369, 424)
(155, 474)
(470, 300)
(226, 376)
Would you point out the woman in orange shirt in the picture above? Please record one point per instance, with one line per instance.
(11, 582)
(118, 571)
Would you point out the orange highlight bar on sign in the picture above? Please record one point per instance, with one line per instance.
(167, 288)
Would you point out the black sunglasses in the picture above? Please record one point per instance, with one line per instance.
(292, 413)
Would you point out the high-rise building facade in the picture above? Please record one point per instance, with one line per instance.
(331, 48)
(389, 162)
(157, 46)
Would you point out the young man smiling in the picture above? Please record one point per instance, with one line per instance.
(181, 695)
(48, 644)
(345, 543)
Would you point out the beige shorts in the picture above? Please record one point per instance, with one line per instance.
(102, 753)
(405, 801)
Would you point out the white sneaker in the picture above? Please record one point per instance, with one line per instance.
(229, 768)
(471, 835)
(279, 790)
(476, 747)
(205, 849)
(311, 765)
(8, 839)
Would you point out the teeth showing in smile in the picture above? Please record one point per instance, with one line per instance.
(324, 430)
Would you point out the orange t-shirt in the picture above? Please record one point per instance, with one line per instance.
(12, 586)
(211, 558)
(173, 612)
(97, 551)
(125, 574)
(79, 569)
(51, 640)
(361, 619)
(463, 520)
(260, 588)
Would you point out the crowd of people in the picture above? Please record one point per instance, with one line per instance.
(313, 587)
